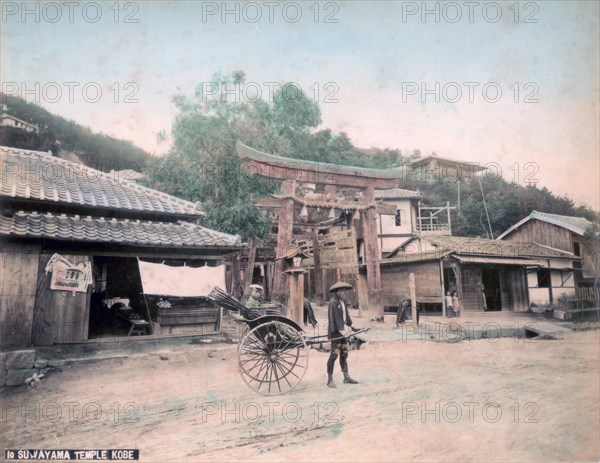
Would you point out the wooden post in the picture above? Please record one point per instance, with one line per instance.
(318, 270)
(250, 264)
(444, 308)
(449, 218)
(363, 298)
(284, 236)
(372, 256)
(235, 274)
(299, 300)
(458, 274)
(296, 289)
(293, 284)
(413, 297)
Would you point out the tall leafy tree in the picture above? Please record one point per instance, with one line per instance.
(203, 165)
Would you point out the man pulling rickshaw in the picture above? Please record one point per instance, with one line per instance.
(339, 318)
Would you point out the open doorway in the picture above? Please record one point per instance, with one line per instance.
(491, 289)
(117, 306)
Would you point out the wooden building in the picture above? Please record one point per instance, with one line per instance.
(560, 232)
(330, 177)
(395, 228)
(488, 275)
(436, 168)
(73, 237)
(7, 120)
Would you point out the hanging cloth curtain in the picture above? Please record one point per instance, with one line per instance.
(164, 280)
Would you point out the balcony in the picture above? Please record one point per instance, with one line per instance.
(434, 229)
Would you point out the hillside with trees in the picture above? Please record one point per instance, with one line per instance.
(203, 165)
(57, 133)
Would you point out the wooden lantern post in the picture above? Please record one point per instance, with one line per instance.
(296, 285)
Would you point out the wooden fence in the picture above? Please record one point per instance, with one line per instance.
(587, 294)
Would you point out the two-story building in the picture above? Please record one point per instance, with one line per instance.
(393, 230)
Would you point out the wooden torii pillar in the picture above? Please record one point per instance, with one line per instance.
(284, 236)
(372, 256)
(331, 175)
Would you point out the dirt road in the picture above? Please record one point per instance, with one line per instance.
(487, 400)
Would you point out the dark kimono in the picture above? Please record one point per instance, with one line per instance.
(339, 318)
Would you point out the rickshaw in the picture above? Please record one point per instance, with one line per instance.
(273, 351)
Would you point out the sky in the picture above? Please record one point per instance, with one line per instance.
(512, 85)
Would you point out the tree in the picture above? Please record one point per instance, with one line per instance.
(203, 165)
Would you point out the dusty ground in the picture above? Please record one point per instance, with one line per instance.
(487, 400)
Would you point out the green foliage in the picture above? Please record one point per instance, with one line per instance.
(237, 217)
(94, 149)
(203, 165)
(507, 203)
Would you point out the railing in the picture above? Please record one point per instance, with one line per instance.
(434, 228)
(587, 294)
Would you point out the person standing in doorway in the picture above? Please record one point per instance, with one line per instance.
(448, 299)
(455, 304)
(483, 297)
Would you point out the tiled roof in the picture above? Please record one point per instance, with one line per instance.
(397, 193)
(100, 230)
(575, 224)
(480, 246)
(41, 176)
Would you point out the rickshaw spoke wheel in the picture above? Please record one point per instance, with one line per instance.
(273, 358)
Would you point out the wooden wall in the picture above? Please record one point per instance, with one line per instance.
(59, 316)
(512, 285)
(394, 280)
(18, 273)
(544, 233)
(519, 295)
(471, 295)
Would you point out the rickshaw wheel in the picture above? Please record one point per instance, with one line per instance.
(273, 358)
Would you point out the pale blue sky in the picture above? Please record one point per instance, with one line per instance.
(369, 54)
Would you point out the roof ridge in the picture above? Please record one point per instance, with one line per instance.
(84, 169)
(551, 214)
(162, 194)
(74, 227)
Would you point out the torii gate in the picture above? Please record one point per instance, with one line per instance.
(331, 175)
